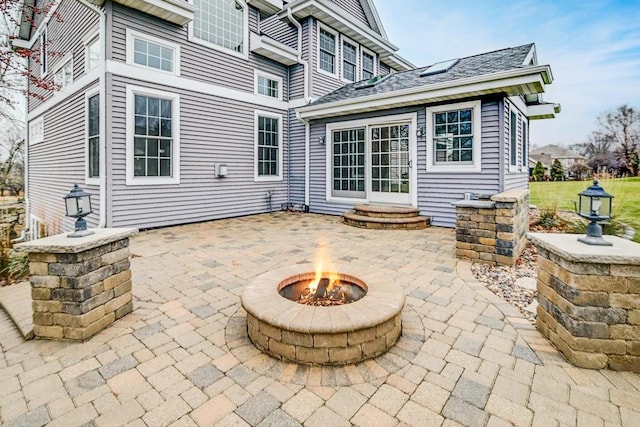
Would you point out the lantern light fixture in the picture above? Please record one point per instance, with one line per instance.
(594, 204)
(78, 205)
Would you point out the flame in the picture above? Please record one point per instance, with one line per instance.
(322, 259)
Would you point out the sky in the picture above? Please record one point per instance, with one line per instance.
(593, 48)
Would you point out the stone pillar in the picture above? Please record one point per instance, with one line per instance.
(493, 231)
(589, 300)
(79, 286)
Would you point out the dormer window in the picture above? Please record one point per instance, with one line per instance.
(222, 24)
(327, 50)
(349, 61)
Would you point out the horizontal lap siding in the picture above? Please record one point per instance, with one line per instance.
(383, 69)
(213, 131)
(59, 162)
(197, 62)
(323, 83)
(280, 31)
(76, 20)
(354, 8)
(436, 191)
(297, 158)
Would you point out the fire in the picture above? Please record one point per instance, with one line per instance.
(331, 278)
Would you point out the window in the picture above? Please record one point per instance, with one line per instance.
(64, 76)
(152, 52)
(453, 137)
(221, 23)
(513, 137)
(43, 53)
(525, 148)
(153, 140)
(268, 149)
(327, 51)
(36, 130)
(92, 53)
(349, 61)
(368, 65)
(268, 85)
(93, 136)
(348, 176)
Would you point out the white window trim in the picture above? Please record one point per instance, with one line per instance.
(375, 61)
(367, 123)
(132, 35)
(89, 180)
(356, 74)
(256, 177)
(93, 36)
(175, 128)
(513, 168)
(245, 37)
(477, 139)
(258, 73)
(337, 51)
(68, 58)
(38, 124)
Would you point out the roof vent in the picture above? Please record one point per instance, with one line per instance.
(372, 82)
(439, 67)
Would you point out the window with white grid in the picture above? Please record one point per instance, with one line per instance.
(349, 61)
(268, 161)
(368, 66)
(327, 56)
(152, 55)
(220, 22)
(268, 87)
(64, 76)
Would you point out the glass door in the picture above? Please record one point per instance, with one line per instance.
(348, 153)
(390, 164)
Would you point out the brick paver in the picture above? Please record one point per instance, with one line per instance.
(182, 358)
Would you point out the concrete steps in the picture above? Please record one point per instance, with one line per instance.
(386, 217)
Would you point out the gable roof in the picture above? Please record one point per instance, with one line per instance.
(510, 71)
(372, 16)
(556, 152)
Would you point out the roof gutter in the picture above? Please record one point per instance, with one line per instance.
(417, 94)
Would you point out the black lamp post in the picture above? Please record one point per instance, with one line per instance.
(78, 205)
(595, 205)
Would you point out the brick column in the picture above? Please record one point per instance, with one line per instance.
(79, 286)
(512, 224)
(589, 300)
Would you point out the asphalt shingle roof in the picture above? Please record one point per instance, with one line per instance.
(471, 66)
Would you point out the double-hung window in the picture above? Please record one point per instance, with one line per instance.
(221, 24)
(349, 61)
(268, 85)
(513, 140)
(64, 76)
(153, 140)
(327, 51)
(268, 152)
(453, 137)
(93, 136)
(151, 52)
(368, 65)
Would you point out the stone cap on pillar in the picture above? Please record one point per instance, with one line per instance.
(60, 243)
(623, 251)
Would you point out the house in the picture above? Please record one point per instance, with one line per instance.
(172, 112)
(550, 153)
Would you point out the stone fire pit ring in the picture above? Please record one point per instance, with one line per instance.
(335, 335)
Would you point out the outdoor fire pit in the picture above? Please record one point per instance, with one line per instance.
(310, 316)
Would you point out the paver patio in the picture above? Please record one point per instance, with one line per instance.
(183, 358)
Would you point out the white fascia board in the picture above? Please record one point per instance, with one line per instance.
(510, 82)
(21, 44)
(267, 6)
(273, 49)
(331, 16)
(372, 13)
(400, 63)
(543, 111)
(176, 11)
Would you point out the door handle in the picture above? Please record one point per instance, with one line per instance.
(410, 164)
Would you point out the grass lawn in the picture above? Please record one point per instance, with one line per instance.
(626, 204)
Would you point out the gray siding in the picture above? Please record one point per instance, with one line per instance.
(297, 150)
(383, 69)
(323, 83)
(280, 31)
(519, 178)
(77, 20)
(213, 131)
(354, 8)
(197, 62)
(59, 162)
(436, 191)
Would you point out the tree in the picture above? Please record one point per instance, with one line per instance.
(635, 163)
(557, 171)
(538, 172)
(579, 171)
(622, 127)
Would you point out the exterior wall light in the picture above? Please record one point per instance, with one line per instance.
(594, 204)
(78, 205)
(422, 131)
(322, 140)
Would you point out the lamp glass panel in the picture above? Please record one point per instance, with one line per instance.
(72, 207)
(86, 203)
(585, 205)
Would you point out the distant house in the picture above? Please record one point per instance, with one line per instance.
(172, 112)
(549, 153)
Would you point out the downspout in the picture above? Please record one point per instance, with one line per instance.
(288, 136)
(102, 92)
(307, 161)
